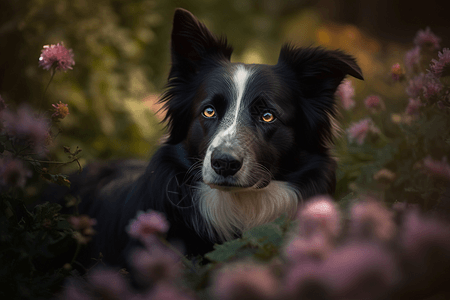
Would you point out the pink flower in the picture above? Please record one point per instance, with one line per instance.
(301, 249)
(320, 214)
(109, 283)
(56, 56)
(165, 291)
(61, 111)
(26, 128)
(301, 279)
(13, 173)
(147, 224)
(359, 130)
(415, 86)
(436, 167)
(82, 222)
(345, 92)
(425, 248)
(155, 264)
(374, 103)
(427, 38)
(244, 281)
(432, 89)
(441, 67)
(412, 58)
(359, 271)
(413, 107)
(371, 219)
(397, 72)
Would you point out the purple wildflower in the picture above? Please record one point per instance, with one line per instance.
(245, 281)
(426, 38)
(147, 224)
(412, 58)
(13, 173)
(425, 250)
(155, 264)
(345, 92)
(374, 103)
(431, 89)
(165, 291)
(82, 222)
(304, 281)
(58, 56)
(315, 247)
(25, 127)
(359, 271)
(436, 167)
(109, 284)
(320, 214)
(413, 107)
(397, 72)
(371, 219)
(359, 130)
(441, 67)
(415, 86)
(61, 111)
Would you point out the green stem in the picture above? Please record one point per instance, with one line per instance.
(76, 252)
(45, 91)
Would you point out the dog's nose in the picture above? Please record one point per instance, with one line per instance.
(225, 164)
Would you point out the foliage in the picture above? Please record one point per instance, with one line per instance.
(401, 158)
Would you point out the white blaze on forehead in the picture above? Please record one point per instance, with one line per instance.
(240, 78)
(230, 121)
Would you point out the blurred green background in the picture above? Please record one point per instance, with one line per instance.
(121, 51)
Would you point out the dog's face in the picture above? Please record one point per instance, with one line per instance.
(242, 120)
(249, 124)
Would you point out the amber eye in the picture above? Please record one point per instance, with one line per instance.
(209, 112)
(268, 117)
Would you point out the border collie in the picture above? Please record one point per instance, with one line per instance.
(246, 143)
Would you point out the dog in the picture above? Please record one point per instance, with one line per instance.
(246, 143)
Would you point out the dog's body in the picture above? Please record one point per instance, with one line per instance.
(246, 144)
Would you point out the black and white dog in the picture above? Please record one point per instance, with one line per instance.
(246, 144)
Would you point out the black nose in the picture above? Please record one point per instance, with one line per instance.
(225, 164)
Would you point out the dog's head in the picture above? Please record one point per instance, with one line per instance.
(249, 124)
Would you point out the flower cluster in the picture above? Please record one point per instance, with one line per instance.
(147, 225)
(359, 130)
(56, 56)
(156, 268)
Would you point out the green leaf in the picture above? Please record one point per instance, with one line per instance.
(225, 251)
(265, 234)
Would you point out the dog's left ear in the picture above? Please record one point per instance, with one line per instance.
(319, 68)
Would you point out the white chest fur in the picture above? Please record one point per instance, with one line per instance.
(229, 213)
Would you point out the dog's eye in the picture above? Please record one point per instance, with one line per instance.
(209, 112)
(268, 117)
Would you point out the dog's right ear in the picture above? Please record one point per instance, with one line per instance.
(192, 42)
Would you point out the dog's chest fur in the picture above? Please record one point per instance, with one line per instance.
(228, 214)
